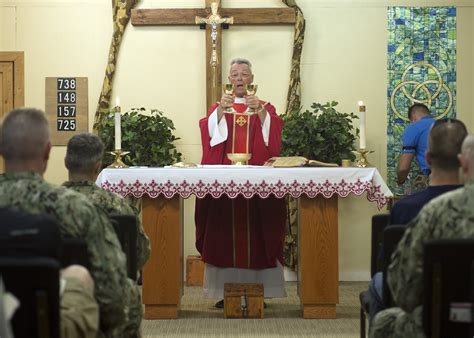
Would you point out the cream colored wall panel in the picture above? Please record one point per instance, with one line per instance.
(56, 172)
(60, 48)
(465, 70)
(7, 28)
(355, 214)
(191, 152)
(164, 68)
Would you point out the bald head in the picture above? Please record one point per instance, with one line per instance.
(444, 145)
(24, 135)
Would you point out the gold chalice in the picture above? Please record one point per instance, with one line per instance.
(251, 90)
(229, 90)
(239, 158)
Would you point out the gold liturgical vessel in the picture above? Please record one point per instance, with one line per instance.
(240, 158)
(229, 90)
(251, 90)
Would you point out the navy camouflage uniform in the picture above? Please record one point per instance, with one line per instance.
(114, 204)
(118, 297)
(450, 215)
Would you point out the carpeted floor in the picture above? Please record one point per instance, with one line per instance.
(198, 318)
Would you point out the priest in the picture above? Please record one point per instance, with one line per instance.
(241, 240)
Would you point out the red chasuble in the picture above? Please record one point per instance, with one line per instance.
(241, 233)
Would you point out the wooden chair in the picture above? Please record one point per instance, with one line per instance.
(35, 282)
(448, 277)
(379, 223)
(126, 229)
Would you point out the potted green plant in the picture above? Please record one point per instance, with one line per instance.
(148, 136)
(323, 134)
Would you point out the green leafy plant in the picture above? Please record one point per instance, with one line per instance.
(323, 134)
(149, 138)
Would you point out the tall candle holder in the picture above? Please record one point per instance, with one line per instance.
(118, 163)
(361, 161)
(118, 152)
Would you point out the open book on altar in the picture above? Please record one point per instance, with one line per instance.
(296, 161)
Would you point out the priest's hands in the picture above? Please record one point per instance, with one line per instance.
(225, 104)
(253, 102)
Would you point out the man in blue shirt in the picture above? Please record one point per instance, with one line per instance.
(415, 141)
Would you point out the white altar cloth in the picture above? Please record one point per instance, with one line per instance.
(248, 181)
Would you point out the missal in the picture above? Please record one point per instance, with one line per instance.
(296, 161)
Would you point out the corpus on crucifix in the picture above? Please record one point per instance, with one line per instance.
(213, 20)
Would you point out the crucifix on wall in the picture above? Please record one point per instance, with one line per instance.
(213, 17)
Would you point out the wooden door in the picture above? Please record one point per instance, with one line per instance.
(11, 84)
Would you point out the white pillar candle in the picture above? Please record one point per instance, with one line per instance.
(118, 130)
(361, 125)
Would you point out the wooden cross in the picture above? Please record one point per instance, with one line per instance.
(187, 16)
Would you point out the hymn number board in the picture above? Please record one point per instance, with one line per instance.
(66, 107)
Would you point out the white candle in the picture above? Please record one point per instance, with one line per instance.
(361, 125)
(118, 129)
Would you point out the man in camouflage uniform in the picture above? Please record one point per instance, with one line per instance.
(84, 161)
(25, 146)
(449, 216)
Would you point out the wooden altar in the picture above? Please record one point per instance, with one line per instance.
(318, 190)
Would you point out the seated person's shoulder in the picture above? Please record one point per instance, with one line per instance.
(74, 202)
(448, 197)
(444, 203)
(111, 201)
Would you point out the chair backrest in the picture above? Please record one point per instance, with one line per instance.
(35, 282)
(23, 234)
(448, 277)
(74, 251)
(391, 236)
(379, 223)
(126, 229)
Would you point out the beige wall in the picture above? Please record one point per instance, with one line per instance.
(344, 59)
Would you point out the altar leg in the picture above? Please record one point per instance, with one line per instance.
(318, 272)
(163, 273)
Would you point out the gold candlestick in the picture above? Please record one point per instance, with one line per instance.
(361, 160)
(118, 163)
